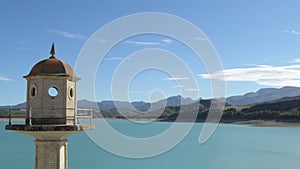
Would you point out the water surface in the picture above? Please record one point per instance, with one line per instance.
(231, 147)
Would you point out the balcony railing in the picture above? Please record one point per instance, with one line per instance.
(77, 115)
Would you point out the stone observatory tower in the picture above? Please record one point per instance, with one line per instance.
(51, 111)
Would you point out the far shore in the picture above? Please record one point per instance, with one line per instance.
(255, 123)
(265, 123)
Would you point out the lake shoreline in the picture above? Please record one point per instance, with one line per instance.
(255, 123)
(267, 123)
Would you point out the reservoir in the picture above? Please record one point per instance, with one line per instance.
(230, 147)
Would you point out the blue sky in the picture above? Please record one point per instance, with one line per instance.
(258, 43)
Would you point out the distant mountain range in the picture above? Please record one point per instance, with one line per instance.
(140, 106)
(264, 95)
(260, 96)
(109, 104)
(266, 104)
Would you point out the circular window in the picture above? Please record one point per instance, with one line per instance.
(71, 92)
(33, 91)
(52, 91)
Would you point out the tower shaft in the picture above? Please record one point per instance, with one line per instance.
(51, 154)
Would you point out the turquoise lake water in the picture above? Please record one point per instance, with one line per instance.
(231, 147)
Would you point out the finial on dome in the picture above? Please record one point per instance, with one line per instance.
(52, 51)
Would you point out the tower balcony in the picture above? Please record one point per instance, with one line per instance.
(74, 119)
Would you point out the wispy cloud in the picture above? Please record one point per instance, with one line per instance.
(167, 41)
(114, 59)
(292, 32)
(67, 34)
(186, 89)
(177, 86)
(197, 38)
(176, 78)
(296, 60)
(118, 58)
(4, 79)
(267, 75)
(25, 48)
(142, 42)
(295, 32)
(23, 45)
(161, 42)
(192, 90)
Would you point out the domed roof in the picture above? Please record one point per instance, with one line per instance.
(52, 67)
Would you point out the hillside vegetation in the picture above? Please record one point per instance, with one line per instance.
(282, 110)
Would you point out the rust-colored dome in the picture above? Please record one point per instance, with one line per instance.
(52, 66)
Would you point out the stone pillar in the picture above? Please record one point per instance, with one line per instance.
(51, 154)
